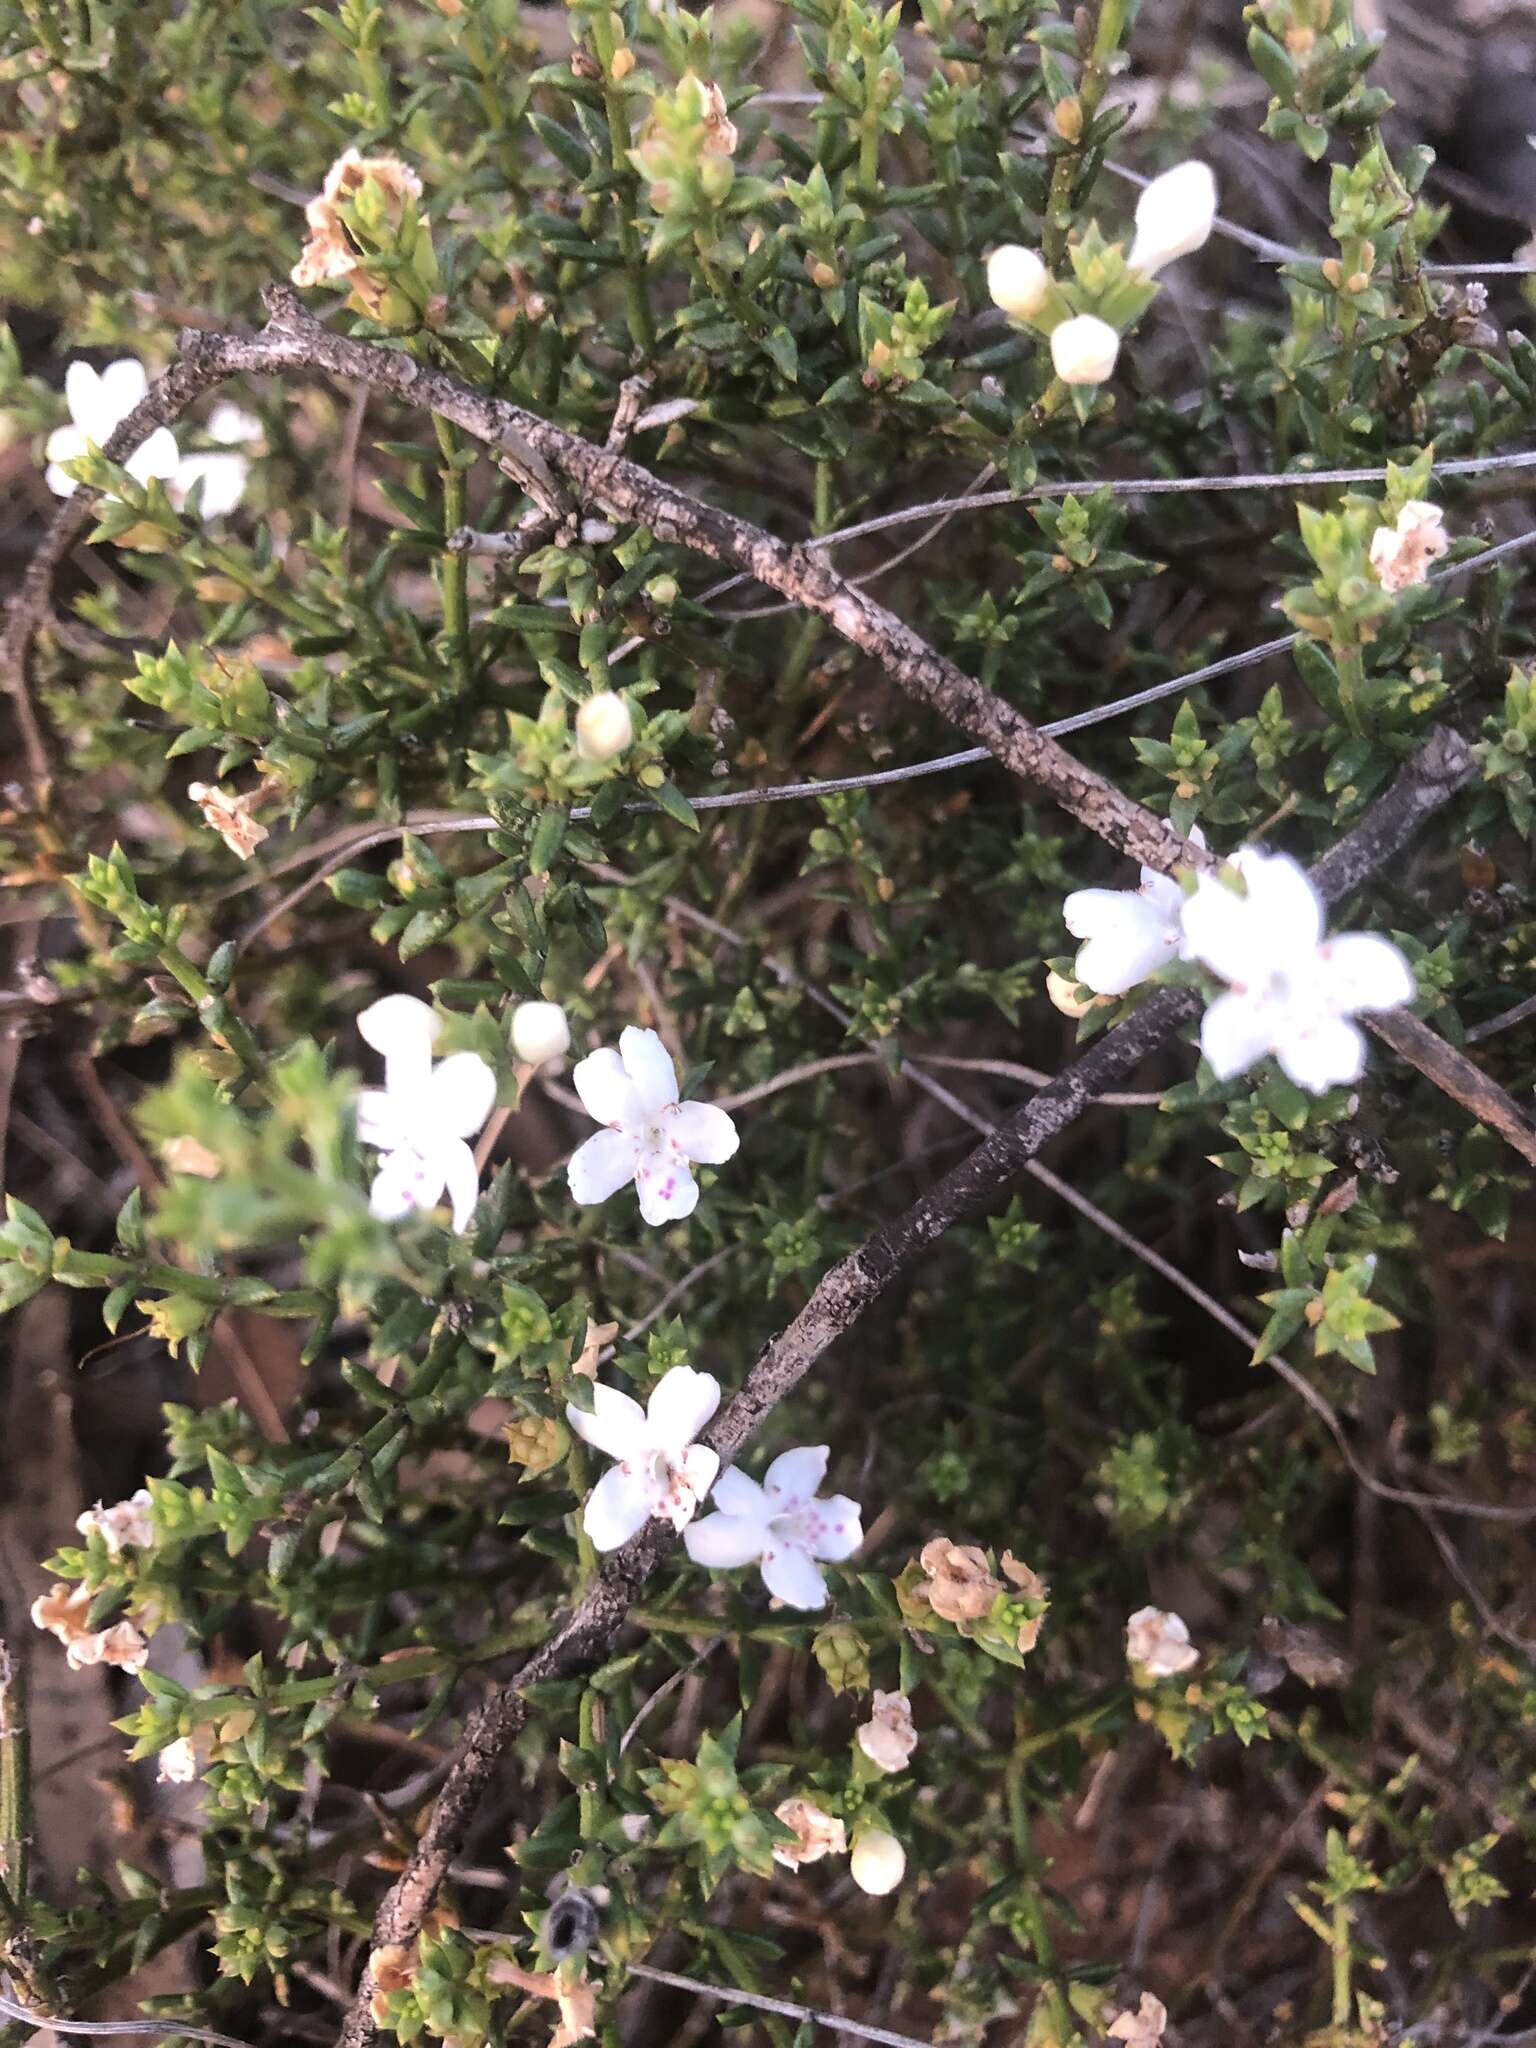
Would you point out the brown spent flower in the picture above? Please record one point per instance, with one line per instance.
(1033, 1587)
(329, 254)
(598, 1334)
(230, 815)
(62, 1611)
(190, 1155)
(391, 1968)
(1401, 553)
(888, 1737)
(960, 1583)
(720, 137)
(577, 1998)
(1144, 2027)
(816, 1833)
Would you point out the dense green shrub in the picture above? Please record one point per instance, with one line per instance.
(469, 771)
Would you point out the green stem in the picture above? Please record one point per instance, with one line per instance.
(374, 1443)
(455, 567)
(1342, 1998)
(1108, 35)
(1033, 1905)
(637, 297)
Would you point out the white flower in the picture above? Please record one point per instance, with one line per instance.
(98, 403)
(1130, 933)
(779, 1526)
(1159, 1642)
(878, 1863)
(177, 1762)
(540, 1032)
(1173, 217)
(651, 1136)
(659, 1469)
(421, 1117)
(128, 1522)
(817, 1833)
(604, 727)
(888, 1737)
(1292, 991)
(1018, 281)
(1401, 553)
(1084, 349)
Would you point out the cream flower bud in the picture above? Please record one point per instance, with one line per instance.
(540, 1032)
(604, 727)
(1084, 349)
(1173, 217)
(1017, 280)
(878, 1862)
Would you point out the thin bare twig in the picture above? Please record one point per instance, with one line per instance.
(730, 1995)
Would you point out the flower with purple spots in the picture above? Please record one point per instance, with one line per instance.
(780, 1526)
(651, 1137)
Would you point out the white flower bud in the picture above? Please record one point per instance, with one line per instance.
(604, 727)
(1173, 217)
(540, 1032)
(1084, 349)
(1017, 280)
(878, 1862)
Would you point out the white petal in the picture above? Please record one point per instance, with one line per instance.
(223, 478)
(123, 384)
(601, 1166)
(650, 1067)
(64, 444)
(1326, 1053)
(1234, 1032)
(83, 396)
(725, 1542)
(404, 1181)
(694, 1474)
(1363, 971)
(1284, 902)
(793, 1576)
(232, 424)
(1129, 936)
(668, 1191)
(681, 1403)
(618, 1507)
(157, 457)
(606, 1091)
(1221, 930)
(839, 1529)
(460, 1095)
(380, 1121)
(738, 1494)
(704, 1132)
(403, 1028)
(616, 1424)
(794, 1476)
(59, 481)
(461, 1178)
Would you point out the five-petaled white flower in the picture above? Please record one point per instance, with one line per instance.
(651, 1136)
(1292, 992)
(1130, 933)
(1159, 1642)
(658, 1469)
(780, 1526)
(99, 402)
(422, 1115)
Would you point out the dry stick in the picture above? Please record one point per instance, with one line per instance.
(293, 339)
(840, 1298)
